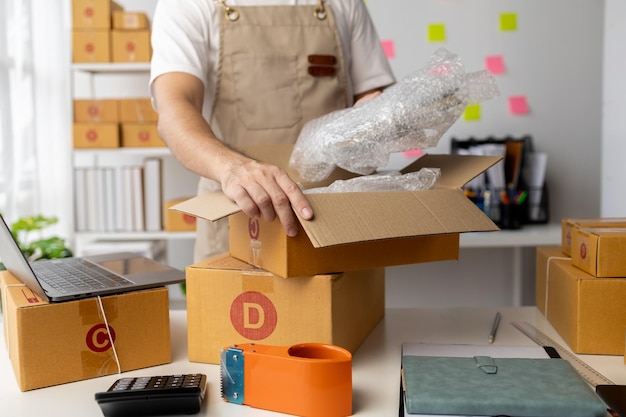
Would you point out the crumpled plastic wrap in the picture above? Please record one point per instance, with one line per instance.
(424, 179)
(412, 114)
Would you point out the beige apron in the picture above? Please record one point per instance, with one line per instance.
(280, 66)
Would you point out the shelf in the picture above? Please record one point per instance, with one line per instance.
(527, 236)
(129, 236)
(112, 67)
(148, 152)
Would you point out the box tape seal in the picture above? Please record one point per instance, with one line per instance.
(550, 259)
(106, 324)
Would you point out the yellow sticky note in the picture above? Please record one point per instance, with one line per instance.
(436, 32)
(508, 21)
(472, 112)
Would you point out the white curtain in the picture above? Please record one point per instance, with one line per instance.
(35, 110)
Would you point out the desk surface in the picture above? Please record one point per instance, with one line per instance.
(375, 365)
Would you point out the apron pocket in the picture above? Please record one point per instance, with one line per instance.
(266, 90)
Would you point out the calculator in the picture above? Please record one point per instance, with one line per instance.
(153, 395)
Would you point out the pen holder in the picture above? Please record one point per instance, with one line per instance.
(538, 208)
(512, 216)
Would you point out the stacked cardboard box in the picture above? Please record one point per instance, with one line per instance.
(581, 285)
(102, 31)
(138, 123)
(110, 123)
(327, 284)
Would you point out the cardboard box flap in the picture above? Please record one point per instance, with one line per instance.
(340, 218)
(211, 206)
(405, 214)
(456, 170)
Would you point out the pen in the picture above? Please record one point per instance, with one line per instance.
(494, 327)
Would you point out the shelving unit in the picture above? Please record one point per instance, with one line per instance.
(119, 81)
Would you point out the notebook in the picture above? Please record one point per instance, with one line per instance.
(67, 279)
(478, 380)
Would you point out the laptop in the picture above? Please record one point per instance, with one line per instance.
(66, 279)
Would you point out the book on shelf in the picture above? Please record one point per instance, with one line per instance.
(152, 194)
(122, 198)
(490, 380)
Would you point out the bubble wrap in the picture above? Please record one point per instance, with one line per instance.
(424, 179)
(412, 114)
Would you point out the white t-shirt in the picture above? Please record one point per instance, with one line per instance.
(185, 38)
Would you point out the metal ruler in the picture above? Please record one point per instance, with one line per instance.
(590, 375)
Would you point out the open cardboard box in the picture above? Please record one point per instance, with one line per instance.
(357, 230)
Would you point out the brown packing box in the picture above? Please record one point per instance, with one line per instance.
(229, 302)
(95, 111)
(124, 20)
(354, 231)
(130, 46)
(56, 343)
(141, 135)
(600, 252)
(96, 135)
(567, 224)
(588, 312)
(91, 46)
(136, 110)
(175, 221)
(93, 14)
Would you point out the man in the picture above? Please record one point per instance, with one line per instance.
(227, 74)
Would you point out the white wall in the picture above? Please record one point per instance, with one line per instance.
(554, 62)
(614, 110)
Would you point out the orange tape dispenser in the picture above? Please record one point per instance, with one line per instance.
(308, 380)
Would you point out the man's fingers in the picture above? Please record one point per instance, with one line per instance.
(263, 190)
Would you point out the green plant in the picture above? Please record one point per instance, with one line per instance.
(41, 248)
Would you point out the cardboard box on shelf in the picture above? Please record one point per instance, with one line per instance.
(136, 110)
(125, 20)
(141, 135)
(568, 224)
(229, 302)
(175, 221)
(96, 135)
(93, 14)
(91, 46)
(130, 46)
(600, 251)
(354, 231)
(95, 111)
(588, 312)
(57, 343)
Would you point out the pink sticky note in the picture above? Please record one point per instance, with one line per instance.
(518, 105)
(494, 64)
(413, 153)
(388, 48)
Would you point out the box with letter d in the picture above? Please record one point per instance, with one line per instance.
(231, 302)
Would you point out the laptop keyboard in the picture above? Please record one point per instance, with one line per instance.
(73, 274)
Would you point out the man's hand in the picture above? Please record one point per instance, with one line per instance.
(264, 190)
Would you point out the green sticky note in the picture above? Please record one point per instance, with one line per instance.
(436, 32)
(472, 112)
(508, 21)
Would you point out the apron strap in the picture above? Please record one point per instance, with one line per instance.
(233, 14)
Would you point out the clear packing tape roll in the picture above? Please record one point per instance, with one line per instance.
(412, 114)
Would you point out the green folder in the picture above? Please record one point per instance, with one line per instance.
(485, 386)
